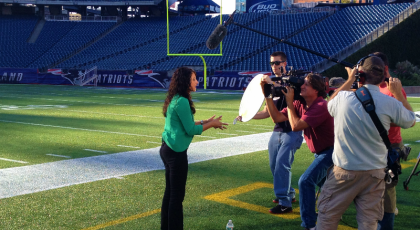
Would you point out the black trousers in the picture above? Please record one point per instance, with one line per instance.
(176, 170)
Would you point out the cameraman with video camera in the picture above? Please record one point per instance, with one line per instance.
(282, 145)
(360, 154)
(309, 114)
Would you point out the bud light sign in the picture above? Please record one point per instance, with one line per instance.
(262, 6)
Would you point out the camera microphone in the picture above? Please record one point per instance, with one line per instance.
(216, 37)
(219, 33)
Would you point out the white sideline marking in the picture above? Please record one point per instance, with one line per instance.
(243, 131)
(90, 130)
(54, 155)
(97, 151)
(22, 162)
(418, 141)
(126, 146)
(406, 144)
(41, 177)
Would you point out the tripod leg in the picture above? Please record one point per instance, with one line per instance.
(411, 174)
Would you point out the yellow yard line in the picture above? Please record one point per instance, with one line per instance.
(130, 218)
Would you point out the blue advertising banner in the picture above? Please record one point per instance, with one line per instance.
(259, 6)
(228, 80)
(140, 78)
(137, 78)
(18, 76)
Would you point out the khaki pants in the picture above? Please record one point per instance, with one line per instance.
(364, 188)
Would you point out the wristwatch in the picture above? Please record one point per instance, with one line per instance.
(202, 122)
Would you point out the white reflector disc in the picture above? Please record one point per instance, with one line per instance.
(252, 99)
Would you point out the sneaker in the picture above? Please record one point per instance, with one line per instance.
(280, 209)
(277, 200)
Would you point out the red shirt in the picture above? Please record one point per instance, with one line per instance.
(320, 133)
(394, 133)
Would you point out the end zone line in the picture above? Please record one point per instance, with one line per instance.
(123, 220)
(22, 162)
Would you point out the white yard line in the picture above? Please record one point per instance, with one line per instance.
(204, 136)
(99, 103)
(243, 131)
(113, 114)
(41, 177)
(54, 155)
(96, 151)
(268, 126)
(90, 130)
(127, 146)
(22, 162)
(154, 142)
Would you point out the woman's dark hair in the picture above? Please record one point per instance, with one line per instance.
(317, 82)
(180, 84)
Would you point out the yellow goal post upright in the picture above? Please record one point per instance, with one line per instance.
(197, 55)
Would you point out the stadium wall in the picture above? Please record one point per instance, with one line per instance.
(137, 78)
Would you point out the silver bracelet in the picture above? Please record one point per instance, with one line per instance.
(202, 122)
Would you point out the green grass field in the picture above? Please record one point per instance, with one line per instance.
(70, 122)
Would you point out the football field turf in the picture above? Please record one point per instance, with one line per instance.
(100, 148)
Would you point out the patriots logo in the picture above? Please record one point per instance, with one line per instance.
(162, 80)
(73, 76)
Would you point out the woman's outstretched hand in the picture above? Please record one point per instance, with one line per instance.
(215, 123)
(218, 124)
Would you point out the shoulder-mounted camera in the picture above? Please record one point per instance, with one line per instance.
(294, 79)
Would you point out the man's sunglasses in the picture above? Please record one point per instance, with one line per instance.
(276, 62)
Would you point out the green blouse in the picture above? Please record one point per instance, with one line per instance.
(180, 127)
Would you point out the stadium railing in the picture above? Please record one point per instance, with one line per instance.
(82, 18)
(362, 42)
(303, 10)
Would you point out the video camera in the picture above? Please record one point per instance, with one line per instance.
(294, 79)
(394, 166)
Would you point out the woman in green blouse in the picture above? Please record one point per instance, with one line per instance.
(180, 128)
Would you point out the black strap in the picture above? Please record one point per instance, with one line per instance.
(365, 98)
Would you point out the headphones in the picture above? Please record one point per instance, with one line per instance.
(360, 75)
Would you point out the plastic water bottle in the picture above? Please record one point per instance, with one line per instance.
(229, 225)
